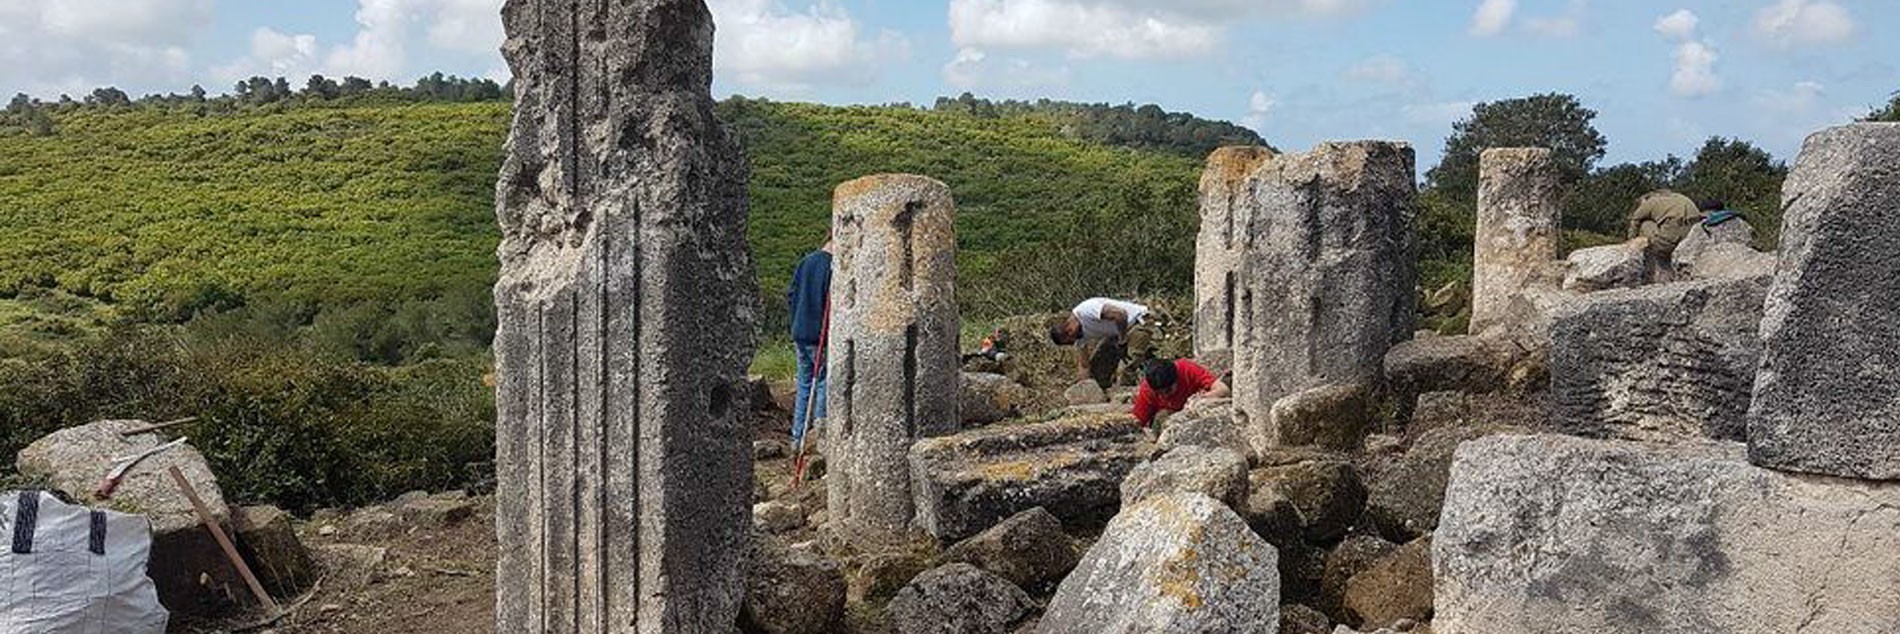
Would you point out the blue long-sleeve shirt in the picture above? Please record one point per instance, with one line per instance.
(811, 288)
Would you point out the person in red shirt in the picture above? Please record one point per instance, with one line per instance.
(1167, 385)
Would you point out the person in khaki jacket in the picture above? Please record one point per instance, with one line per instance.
(1663, 218)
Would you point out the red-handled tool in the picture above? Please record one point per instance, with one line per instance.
(125, 464)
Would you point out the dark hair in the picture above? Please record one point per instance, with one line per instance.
(1711, 204)
(1059, 334)
(1161, 374)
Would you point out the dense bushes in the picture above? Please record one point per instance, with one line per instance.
(279, 419)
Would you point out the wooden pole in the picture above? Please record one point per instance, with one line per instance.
(152, 428)
(224, 541)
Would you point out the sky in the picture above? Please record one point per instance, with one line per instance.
(1663, 74)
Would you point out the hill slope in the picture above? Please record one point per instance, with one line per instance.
(165, 212)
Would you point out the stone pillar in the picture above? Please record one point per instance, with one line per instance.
(1328, 281)
(1517, 231)
(892, 355)
(1827, 398)
(626, 323)
(1218, 246)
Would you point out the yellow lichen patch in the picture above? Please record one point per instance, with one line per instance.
(1233, 164)
(1179, 579)
(1011, 470)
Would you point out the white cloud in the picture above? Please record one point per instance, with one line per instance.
(73, 46)
(973, 68)
(1492, 17)
(1794, 22)
(1259, 105)
(1802, 98)
(1123, 29)
(763, 43)
(1437, 115)
(387, 38)
(1694, 75)
(1381, 69)
(1557, 26)
(272, 54)
(1680, 25)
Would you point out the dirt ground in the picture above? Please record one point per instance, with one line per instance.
(410, 579)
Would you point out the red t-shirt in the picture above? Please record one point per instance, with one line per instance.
(1189, 379)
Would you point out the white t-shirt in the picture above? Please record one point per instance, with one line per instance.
(1095, 327)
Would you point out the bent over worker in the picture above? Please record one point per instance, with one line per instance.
(1168, 385)
(1102, 326)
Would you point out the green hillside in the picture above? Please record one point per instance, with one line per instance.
(164, 211)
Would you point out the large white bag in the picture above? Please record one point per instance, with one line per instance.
(68, 569)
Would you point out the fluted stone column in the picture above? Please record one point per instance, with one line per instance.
(1518, 214)
(892, 354)
(1218, 246)
(626, 323)
(1327, 283)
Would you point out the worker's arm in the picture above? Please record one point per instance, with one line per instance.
(1144, 408)
(1081, 359)
(1118, 316)
(1219, 390)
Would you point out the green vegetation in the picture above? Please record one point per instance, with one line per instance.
(1889, 112)
(308, 271)
(1597, 200)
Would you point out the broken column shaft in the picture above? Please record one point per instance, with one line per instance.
(892, 354)
(1517, 230)
(1327, 281)
(626, 324)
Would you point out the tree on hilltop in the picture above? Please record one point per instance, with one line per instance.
(1556, 121)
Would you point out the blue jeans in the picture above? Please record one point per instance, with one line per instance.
(803, 385)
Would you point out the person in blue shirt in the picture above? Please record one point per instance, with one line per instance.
(809, 300)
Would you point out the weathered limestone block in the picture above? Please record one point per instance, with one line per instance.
(1405, 495)
(1828, 396)
(1174, 563)
(1517, 230)
(789, 592)
(1731, 261)
(1605, 267)
(1335, 417)
(1474, 364)
(269, 544)
(1217, 473)
(959, 599)
(895, 373)
(1563, 534)
(1396, 587)
(1660, 362)
(1328, 280)
(1212, 428)
(625, 305)
(1029, 549)
(74, 459)
(1220, 245)
(1326, 495)
(988, 398)
(1071, 467)
(1699, 239)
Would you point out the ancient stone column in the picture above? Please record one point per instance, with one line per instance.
(626, 323)
(1517, 233)
(1218, 246)
(1827, 398)
(1327, 283)
(892, 354)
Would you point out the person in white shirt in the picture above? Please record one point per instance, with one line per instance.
(1098, 321)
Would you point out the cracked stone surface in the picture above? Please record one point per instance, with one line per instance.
(1517, 231)
(1569, 535)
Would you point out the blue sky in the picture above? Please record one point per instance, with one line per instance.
(1664, 75)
